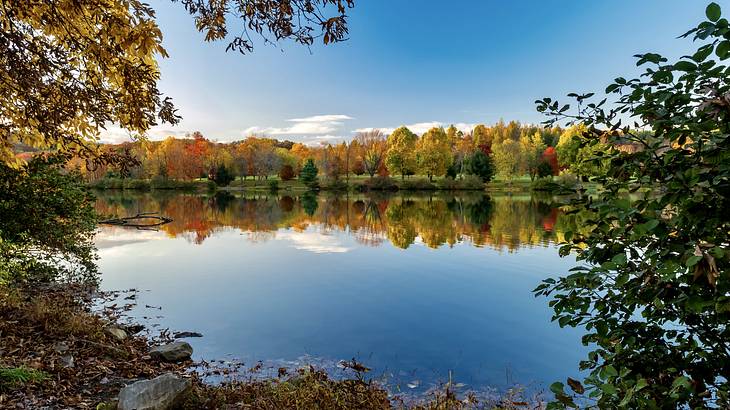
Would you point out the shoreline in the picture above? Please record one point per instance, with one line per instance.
(84, 353)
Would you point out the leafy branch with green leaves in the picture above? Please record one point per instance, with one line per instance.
(652, 289)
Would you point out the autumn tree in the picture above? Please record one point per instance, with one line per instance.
(401, 154)
(569, 144)
(71, 68)
(507, 159)
(433, 153)
(374, 147)
(532, 148)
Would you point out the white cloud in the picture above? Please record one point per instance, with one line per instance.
(114, 134)
(421, 127)
(315, 242)
(315, 125)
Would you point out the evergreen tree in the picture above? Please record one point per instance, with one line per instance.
(308, 174)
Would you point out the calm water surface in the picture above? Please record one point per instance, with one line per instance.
(413, 286)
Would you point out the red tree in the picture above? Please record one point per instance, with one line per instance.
(551, 157)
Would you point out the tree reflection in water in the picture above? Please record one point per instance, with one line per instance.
(503, 222)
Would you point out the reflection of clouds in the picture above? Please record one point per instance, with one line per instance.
(315, 242)
(111, 237)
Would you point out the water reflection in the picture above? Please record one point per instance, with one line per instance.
(419, 287)
(504, 223)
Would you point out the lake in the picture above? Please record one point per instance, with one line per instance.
(418, 287)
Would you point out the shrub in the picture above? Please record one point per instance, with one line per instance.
(335, 185)
(139, 184)
(273, 185)
(544, 170)
(221, 175)
(471, 183)
(286, 173)
(379, 184)
(417, 184)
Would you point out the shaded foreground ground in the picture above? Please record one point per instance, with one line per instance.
(57, 354)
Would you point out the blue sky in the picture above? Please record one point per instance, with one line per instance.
(414, 63)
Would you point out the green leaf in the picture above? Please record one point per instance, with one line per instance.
(685, 66)
(723, 49)
(713, 11)
(693, 260)
(557, 388)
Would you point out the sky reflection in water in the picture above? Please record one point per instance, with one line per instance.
(414, 287)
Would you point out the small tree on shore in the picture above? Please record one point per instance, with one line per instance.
(308, 174)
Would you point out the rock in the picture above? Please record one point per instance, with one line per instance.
(67, 361)
(180, 335)
(60, 347)
(172, 352)
(115, 332)
(160, 393)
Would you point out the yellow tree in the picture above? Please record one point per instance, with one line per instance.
(69, 68)
(433, 153)
(400, 156)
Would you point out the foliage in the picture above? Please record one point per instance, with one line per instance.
(47, 223)
(544, 170)
(286, 173)
(401, 155)
(507, 155)
(379, 184)
(416, 184)
(70, 68)
(532, 148)
(221, 175)
(550, 156)
(481, 165)
(373, 145)
(654, 292)
(433, 153)
(284, 20)
(569, 145)
(468, 183)
(11, 377)
(308, 174)
(273, 185)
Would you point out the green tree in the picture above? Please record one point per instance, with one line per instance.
(532, 148)
(507, 159)
(481, 165)
(400, 156)
(480, 136)
(308, 174)
(47, 225)
(654, 292)
(433, 153)
(569, 144)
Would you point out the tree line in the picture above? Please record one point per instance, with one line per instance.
(507, 150)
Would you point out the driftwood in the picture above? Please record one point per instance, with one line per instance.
(147, 220)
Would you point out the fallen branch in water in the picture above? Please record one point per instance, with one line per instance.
(129, 221)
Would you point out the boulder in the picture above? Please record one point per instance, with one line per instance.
(172, 352)
(160, 393)
(115, 332)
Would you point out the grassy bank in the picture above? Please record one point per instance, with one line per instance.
(353, 184)
(57, 354)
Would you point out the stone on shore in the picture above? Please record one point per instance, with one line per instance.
(115, 332)
(172, 352)
(160, 393)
